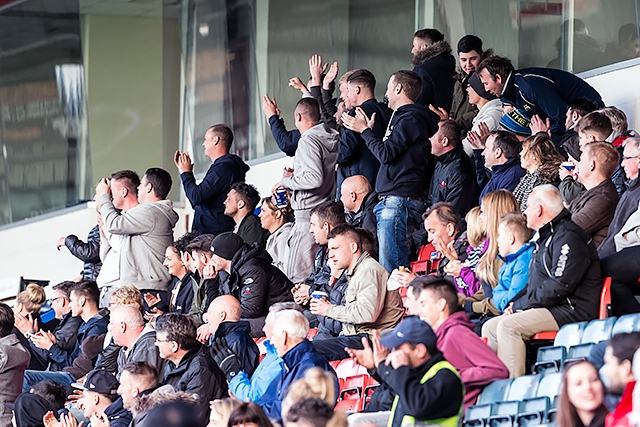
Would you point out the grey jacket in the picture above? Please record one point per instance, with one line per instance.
(314, 177)
(629, 234)
(149, 230)
(368, 305)
(14, 359)
(143, 350)
(278, 246)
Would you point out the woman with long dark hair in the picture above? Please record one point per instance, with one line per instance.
(581, 400)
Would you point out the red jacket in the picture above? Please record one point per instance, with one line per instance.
(477, 364)
(620, 416)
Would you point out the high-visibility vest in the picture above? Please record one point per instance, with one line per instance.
(408, 420)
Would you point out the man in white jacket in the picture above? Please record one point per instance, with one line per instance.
(147, 230)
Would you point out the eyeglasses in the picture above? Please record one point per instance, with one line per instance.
(630, 157)
(55, 299)
(157, 340)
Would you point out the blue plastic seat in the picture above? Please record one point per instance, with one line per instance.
(626, 323)
(532, 411)
(495, 392)
(579, 352)
(503, 414)
(550, 357)
(570, 334)
(523, 387)
(550, 385)
(598, 330)
(477, 415)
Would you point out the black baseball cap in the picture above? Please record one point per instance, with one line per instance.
(99, 381)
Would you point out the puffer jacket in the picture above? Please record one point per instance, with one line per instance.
(593, 210)
(318, 280)
(237, 335)
(89, 252)
(256, 282)
(328, 327)
(454, 181)
(564, 275)
(513, 276)
(436, 67)
(197, 373)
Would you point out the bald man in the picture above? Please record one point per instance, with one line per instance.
(564, 281)
(137, 340)
(359, 200)
(227, 330)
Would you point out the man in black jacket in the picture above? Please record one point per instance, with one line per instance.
(239, 205)
(250, 277)
(564, 281)
(189, 365)
(454, 178)
(404, 157)
(354, 157)
(436, 66)
(359, 199)
(88, 253)
(223, 319)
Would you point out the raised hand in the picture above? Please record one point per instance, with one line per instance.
(269, 107)
(296, 83)
(330, 77)
(441, 112)
(183, 162)
(362, 357)
(316, 69)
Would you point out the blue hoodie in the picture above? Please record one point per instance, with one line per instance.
(513, 276)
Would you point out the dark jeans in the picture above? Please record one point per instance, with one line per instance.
(334, 348)
(624, 270)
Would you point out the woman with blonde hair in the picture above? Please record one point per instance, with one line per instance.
(221, 409)
(315, 383)
(493, 206)
(541, 160)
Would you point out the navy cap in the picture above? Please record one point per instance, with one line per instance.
(411, 330)
(99, 381)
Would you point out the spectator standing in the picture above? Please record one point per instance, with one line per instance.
(502, 155)
(147, 230)
(594, 209)
(436, 66)
(189, 366)
(541, 91)
(354, 157)
(403, 154)
(207, 197)
(454, 178)
(14, 359)
(564, 281)
(240, 204)
(312, 181)
(88, 253)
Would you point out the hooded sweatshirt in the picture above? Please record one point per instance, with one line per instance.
(404, 152)
(149, 230)
(476, 363)
(314, 178)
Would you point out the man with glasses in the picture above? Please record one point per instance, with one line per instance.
(65, 333)
(189, 366)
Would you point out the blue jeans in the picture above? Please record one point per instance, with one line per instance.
(397, 218)
(33, 377)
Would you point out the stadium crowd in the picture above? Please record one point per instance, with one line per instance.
(520, 182)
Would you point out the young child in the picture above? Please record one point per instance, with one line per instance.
(516, 251)
(463, 272)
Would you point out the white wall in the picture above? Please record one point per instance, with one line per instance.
(28, 250)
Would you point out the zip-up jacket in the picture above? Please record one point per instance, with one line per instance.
(237, 335)
(564, 275)
(97, 325)
(506, 176)
(454, 181)
(513, 276)
(627, 205)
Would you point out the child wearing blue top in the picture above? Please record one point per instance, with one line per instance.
(515, 250)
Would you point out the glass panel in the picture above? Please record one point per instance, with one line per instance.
(42, 115)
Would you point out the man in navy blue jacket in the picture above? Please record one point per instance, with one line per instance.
(289, 336)
(207, 198)
(542, 91)
(502, 155)
(404, 154)
(354, 157)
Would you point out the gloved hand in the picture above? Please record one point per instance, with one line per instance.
(226, 359)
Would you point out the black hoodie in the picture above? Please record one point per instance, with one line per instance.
(404, 152)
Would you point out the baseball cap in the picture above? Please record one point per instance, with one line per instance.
(226, 245)
(99, 381)
(411, 330)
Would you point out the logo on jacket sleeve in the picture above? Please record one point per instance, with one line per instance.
(443, 184)
(562, 260)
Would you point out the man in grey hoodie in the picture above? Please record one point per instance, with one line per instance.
(312, 180)
(147, 230)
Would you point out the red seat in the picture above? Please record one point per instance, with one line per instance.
(423, 263)
(354, 385)
(312, 333)
(350, 405)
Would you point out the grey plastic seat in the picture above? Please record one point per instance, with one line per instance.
(523, 387)
(598, 330)
(495, 392)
